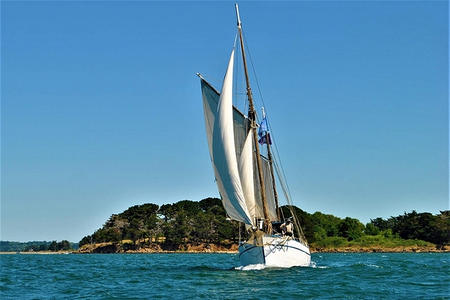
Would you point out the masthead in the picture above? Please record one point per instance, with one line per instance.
(237, 15)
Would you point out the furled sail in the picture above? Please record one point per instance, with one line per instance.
(270, 195)
(258, 209)
(220, 124)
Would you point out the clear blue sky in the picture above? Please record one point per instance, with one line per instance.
(101, 108)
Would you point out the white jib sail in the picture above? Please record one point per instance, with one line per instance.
(224, 153)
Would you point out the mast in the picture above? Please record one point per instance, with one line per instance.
(252, 117)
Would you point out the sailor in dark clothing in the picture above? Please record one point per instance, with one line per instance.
(287, 228)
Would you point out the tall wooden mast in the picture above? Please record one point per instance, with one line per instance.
(252, 117)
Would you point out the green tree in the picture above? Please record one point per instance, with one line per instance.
(205, 221)
(177, 232)
(319, 233)
(53, 246)
(371, 229)
(329, 223)
(424, 226)
(85, 240)
(210, 203)
(63, 245)
(441, 229)
(382, 224)
(190, 208)
(167, 211)
(351, 229)
(202, 228)
(43, 247)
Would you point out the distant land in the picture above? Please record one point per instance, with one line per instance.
(202, 226)
(34, 246)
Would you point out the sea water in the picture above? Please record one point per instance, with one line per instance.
(219, 276)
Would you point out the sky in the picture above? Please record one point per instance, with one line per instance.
(101, 108)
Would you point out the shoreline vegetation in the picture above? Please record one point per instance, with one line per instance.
(106, 248)
(398, 246)
(202, 227)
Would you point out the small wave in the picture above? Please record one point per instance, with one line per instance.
(361, 265)
(315, 266)
(209, 268)
(250, 267)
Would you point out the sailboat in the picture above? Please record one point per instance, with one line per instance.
(246, 174)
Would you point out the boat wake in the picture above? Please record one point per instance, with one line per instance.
(315, 266)
(262, 267)
(251, 267)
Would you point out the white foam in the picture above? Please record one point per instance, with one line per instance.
(314, 265)
(251, 267)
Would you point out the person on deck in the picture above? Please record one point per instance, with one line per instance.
(287, 228)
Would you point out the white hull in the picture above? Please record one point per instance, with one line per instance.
(280, 252)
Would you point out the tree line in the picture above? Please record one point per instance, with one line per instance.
(8, 246)
(409, 226)
(54, 246)
(175, 225)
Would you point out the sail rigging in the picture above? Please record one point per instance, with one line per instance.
(242, 175)
(246, 160)
(246, 177)
(252, 118)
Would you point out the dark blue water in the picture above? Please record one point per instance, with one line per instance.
(214, 276)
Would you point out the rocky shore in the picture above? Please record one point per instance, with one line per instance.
(212, 248)
(157, 248)
(233, 248)
(418, 249)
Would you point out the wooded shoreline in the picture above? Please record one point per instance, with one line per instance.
(213, 248)
(235, 251)
(202, 227)
(187, 225)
